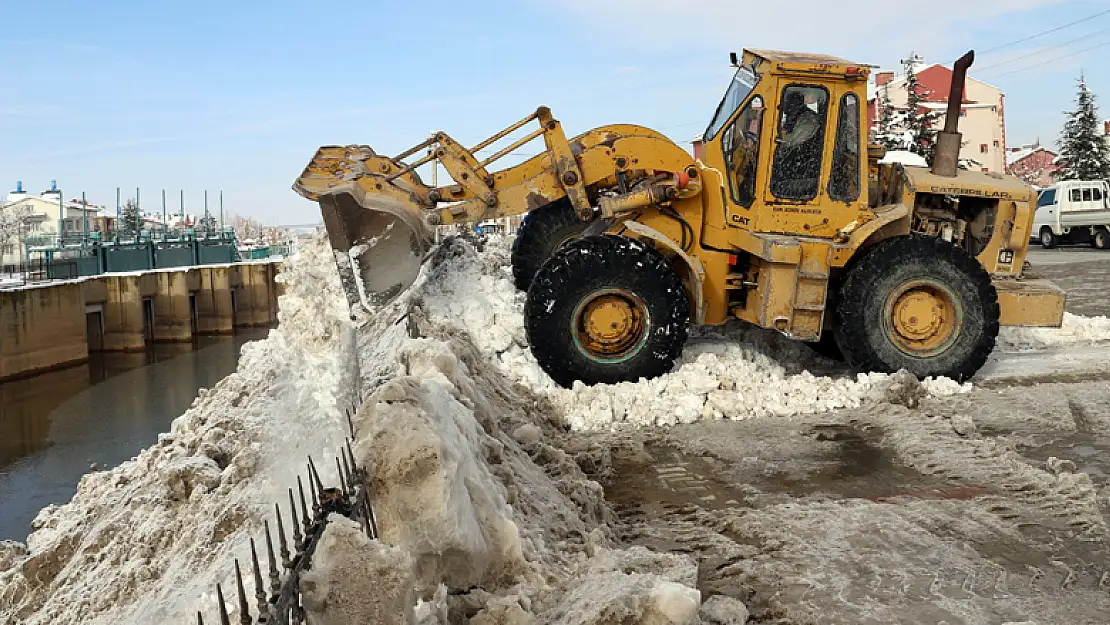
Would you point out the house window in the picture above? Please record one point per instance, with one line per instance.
(983, 148)
(996, 143)
(985, 169)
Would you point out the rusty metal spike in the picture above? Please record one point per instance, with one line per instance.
(271, 562)
(356, 474)
(315, 475)
(315, 496)
(244, 607)
(345, 471)
(224, 618)
(296, 523)
(306, 522)
(350, 424)
(370, 515)
(259, 589)
(342, 478)
(200, 618)
(285, 563)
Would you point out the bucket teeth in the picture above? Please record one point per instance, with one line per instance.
(244, 607)
(224, 618)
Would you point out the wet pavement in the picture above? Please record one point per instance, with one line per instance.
(56, 426)
(1081, 271)
(985, 508)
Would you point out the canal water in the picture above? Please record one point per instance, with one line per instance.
(55, 426)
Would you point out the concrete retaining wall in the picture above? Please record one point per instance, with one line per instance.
(48, 327)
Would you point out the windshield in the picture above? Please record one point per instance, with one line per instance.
(742, 84)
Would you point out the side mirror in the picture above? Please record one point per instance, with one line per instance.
(735, 62)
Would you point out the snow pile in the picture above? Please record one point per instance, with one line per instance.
(731, 374)
(1075, 330)
(145, 542)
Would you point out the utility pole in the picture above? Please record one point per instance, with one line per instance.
(165, 222)
(138, 215)
(181, 207)
(84, 219)
(117, 217)
(221, 214)
(206, 213)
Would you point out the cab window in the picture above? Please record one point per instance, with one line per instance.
(796, 170)
(844, 179)
(741, 147)
(1047, 198)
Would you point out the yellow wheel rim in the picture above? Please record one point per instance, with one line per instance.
(610, 325)
(923, 318)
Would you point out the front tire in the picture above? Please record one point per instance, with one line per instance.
(606, 309)
(1048, 239)
(1101, 239)
(543, 231)
(920, 304)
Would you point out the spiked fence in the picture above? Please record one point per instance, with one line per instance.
(278, 599)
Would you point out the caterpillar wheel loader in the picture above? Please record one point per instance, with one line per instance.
(787, 221)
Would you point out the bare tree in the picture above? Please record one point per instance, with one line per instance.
(13, 226)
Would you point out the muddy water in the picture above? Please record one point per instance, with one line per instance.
(56, 426)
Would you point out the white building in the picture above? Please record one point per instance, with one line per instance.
(42, 215)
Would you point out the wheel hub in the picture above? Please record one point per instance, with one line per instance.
(610, 323)
(923, 317)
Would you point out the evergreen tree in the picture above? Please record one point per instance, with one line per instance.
(919, 121)
(1084, 154)
(130, 221)
(886, 132)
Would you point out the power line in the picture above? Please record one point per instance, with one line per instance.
(1046, 32)
(1044, 50)
(1052, 60)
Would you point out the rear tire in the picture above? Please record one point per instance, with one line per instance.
(920, 304)
(1048, 240)
(606, 309)
(543, 231)
(1101, 239)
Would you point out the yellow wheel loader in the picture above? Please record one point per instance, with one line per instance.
(787, 221)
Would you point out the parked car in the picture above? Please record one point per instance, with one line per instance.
(1074, 211)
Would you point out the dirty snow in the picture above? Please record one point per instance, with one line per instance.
(1075, 330)
(484, 514)
(145, 542)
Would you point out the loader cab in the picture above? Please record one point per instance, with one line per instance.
(787, 138)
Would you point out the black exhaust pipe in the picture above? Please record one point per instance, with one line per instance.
(946, 159)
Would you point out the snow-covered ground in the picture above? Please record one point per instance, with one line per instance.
(488, 477)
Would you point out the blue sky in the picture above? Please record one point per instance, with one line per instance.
(236, 96)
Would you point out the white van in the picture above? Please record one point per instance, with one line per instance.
(1074, 211)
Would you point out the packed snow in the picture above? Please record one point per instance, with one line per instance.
(730, 373)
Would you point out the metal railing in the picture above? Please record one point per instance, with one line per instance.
(41, 270)
(277, 599)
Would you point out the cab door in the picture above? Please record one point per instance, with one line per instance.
(813, 187)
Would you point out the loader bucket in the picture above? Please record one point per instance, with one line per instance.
(379, 244)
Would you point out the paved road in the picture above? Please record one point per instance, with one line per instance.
(1081, 271)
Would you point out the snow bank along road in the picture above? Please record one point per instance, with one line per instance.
(755, 478)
